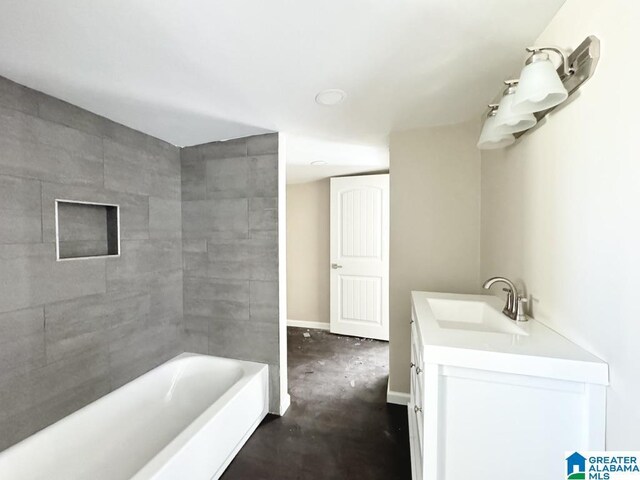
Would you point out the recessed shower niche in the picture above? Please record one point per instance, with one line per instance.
(87, 230)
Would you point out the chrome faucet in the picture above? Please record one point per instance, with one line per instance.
(514, 308)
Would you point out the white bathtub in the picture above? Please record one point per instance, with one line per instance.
(184, 420)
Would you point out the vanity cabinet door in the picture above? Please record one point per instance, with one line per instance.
(416, 349)
(530, 421)
(416, 406)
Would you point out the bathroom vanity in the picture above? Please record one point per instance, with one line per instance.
(494, 399)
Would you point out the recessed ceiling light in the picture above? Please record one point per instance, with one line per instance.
(318, 162)
(331, 97)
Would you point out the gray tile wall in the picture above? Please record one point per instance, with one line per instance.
(200, 223)
(230, 251)
(72, 331)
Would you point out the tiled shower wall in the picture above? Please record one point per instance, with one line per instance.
(230, 241)
(72, 331)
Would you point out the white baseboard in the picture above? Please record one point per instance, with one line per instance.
(305, 324)
(397, 398)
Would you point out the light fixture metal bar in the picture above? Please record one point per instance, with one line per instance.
(583, 61)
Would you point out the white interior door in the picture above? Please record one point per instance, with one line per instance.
(360, 256)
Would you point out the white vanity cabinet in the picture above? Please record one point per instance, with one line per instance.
(496, 400)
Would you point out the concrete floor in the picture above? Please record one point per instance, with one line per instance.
(339, 425)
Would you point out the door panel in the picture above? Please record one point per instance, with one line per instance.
(361, 229)
(359, 256)
(362, 300)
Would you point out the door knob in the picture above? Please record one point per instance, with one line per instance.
(335, 266)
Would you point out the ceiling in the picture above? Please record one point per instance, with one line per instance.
(195, 71)
(303, 154)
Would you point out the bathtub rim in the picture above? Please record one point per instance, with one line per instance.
(181, 440)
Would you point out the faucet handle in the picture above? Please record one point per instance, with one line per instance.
(511, 301)
(510, 293)
(520, 313)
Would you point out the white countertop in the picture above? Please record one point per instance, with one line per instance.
(540, 352)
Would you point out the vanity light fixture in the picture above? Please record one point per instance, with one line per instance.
(540, 89)
(491, 136)
(507, 120)
(541, 84)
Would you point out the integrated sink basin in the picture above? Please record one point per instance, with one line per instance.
(472, 315)
(470, 331)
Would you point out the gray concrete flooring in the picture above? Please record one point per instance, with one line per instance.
(339, 425)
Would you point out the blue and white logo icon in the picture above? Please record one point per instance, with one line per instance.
(602, 465)
(576, 466)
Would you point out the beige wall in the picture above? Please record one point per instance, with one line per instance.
(561, 208)
(435, 225)
(308, 251)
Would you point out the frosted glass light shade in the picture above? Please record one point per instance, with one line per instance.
(540, 88)
(491, 137)
(508, 121)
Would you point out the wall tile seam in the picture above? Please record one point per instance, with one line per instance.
(203, 146)
(30, 244)
(41, 214)
(75, 127)
(54, 122)
(101, 137)
(78, 184)
(48, 363)
(149, 217)
(248, 218)
(104, 176)
(44, 319)
(38, 179)
(206, 183)
(38, 101)
(110, 369)
(40, 307)
(106, 267)
(35, 114)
